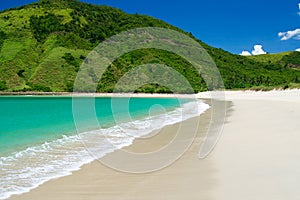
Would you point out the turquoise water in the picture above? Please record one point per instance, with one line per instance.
(27, 121)
(42, 138)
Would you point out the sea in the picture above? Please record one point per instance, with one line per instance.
(42, 137)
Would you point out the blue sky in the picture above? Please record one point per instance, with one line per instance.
(233, 25)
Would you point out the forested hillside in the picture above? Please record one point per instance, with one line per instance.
(43, 45)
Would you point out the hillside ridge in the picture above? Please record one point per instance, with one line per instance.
(43, 44)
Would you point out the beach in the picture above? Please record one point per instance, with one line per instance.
(256, 157)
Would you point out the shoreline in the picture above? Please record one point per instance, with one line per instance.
(200, 95)
(65, 173)
(117, 95)
(152, 142)
(257, 157)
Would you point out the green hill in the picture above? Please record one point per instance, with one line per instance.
(43, 44)
(287, 59)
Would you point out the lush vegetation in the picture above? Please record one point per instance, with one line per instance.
(287, 59)
(2, 38)
(153, 56)
(43, 45)
(292, 60)
(243, 72)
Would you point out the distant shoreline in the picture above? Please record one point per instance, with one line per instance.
(145, 95)
(34, 93)
(73, 94)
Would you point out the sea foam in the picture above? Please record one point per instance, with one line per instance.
(25, 170)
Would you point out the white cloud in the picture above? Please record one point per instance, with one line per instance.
(298, 49)
(281, 34)
(245, 53)
(258, 50)
(290, 34)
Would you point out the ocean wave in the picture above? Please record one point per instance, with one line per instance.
(25, 170)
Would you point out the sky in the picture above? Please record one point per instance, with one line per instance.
(252, 27)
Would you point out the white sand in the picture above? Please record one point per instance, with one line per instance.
(257, 157)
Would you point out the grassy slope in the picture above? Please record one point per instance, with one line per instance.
(287, 59)
(43, 44)
(270, 58)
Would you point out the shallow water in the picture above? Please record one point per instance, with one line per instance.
(42, 137)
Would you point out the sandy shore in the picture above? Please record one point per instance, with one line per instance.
(74, 94)
(257, 157)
